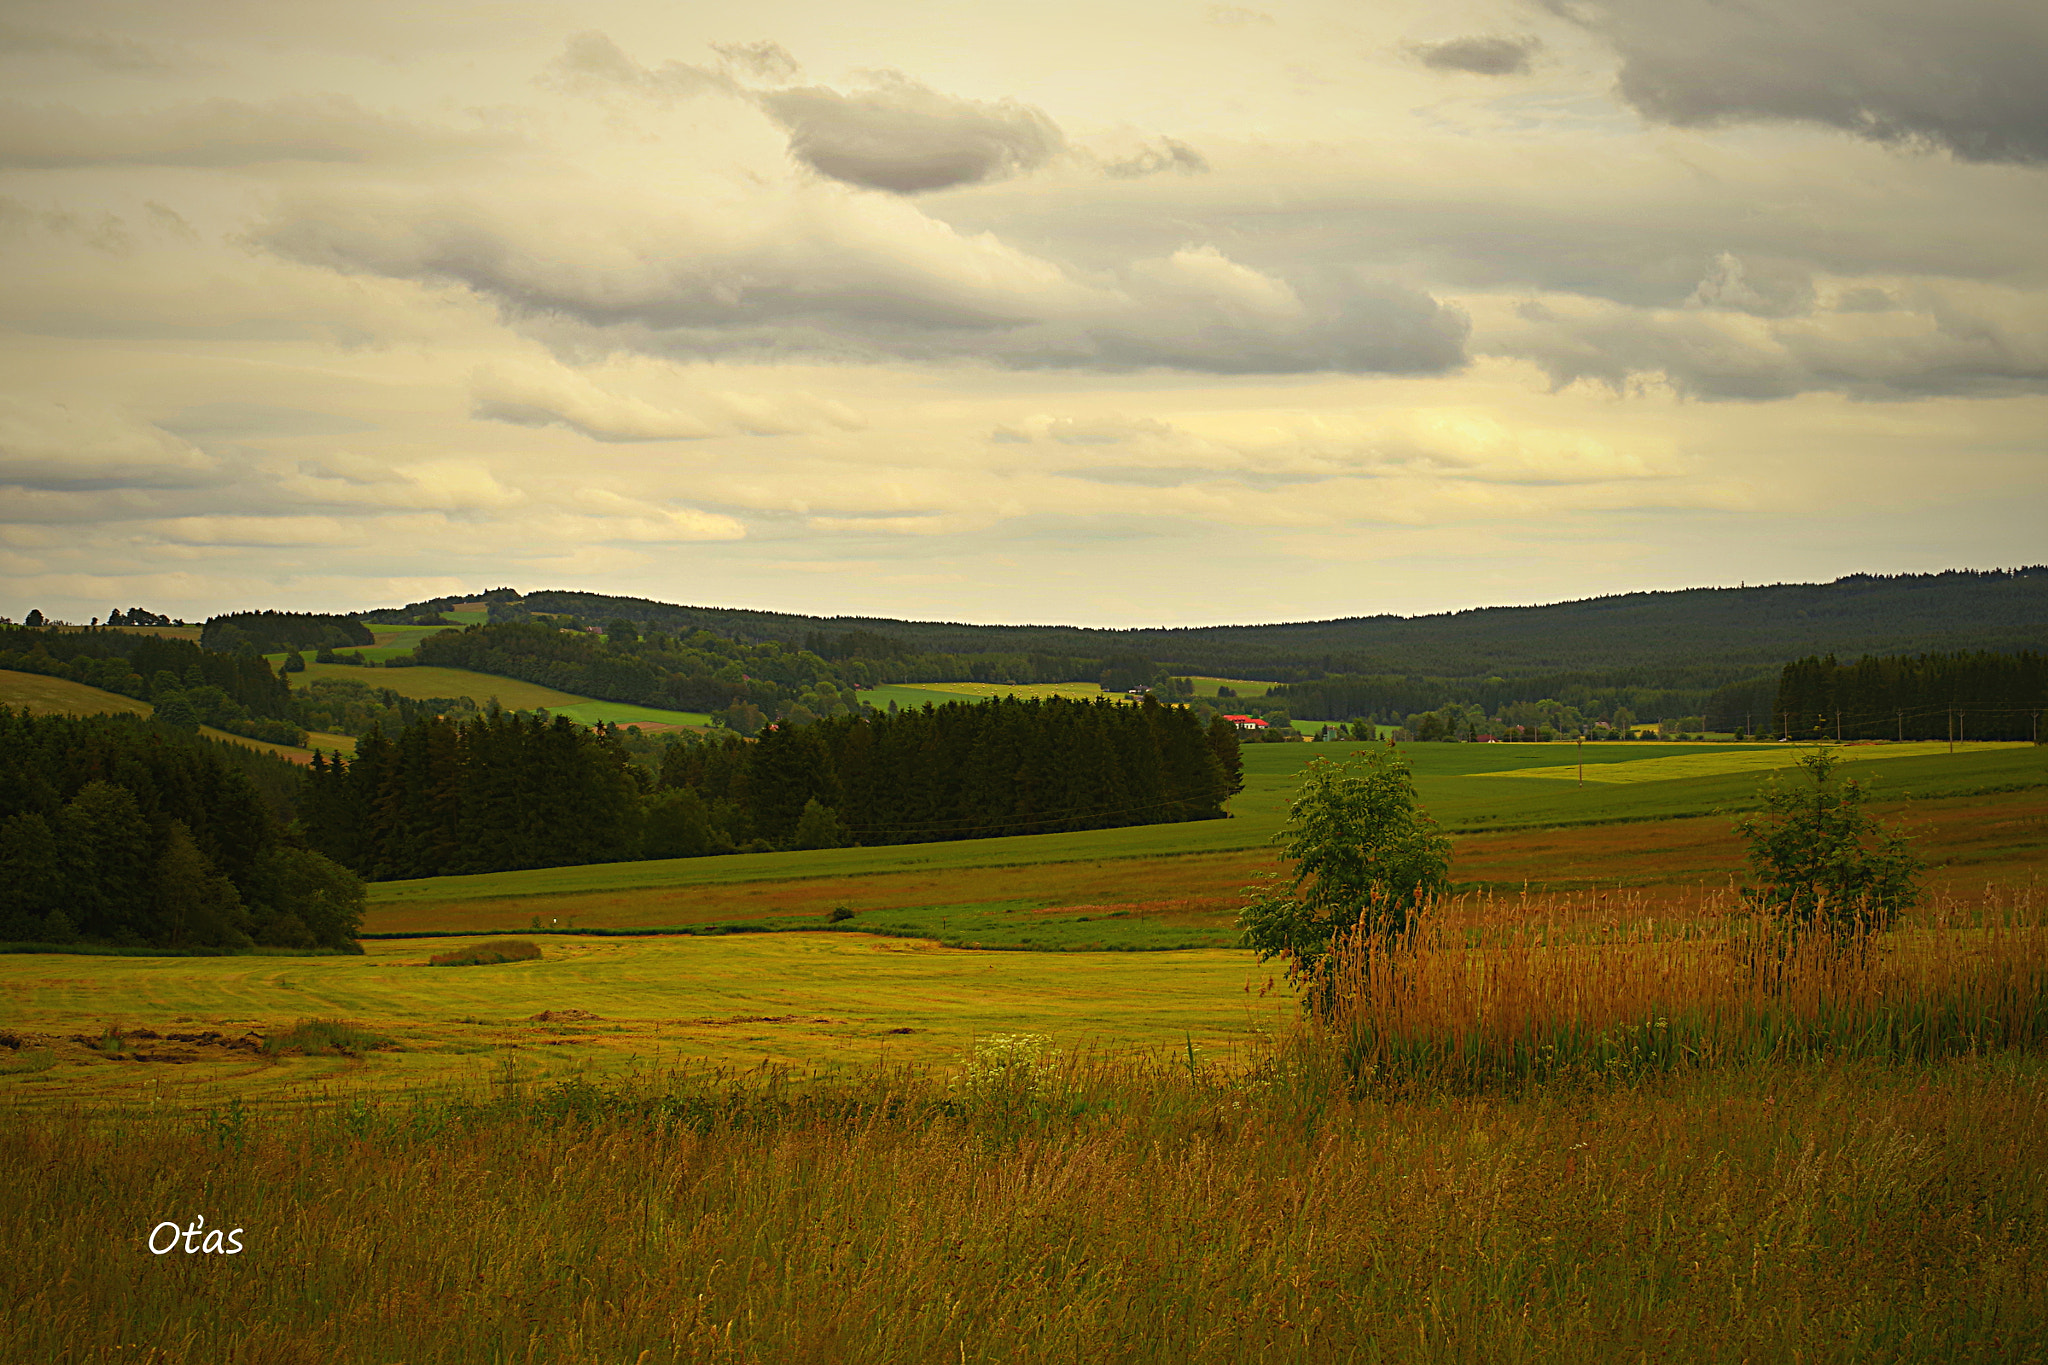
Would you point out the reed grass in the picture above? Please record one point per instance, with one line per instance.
(1502, 992)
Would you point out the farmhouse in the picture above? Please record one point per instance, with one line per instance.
(1246, 722)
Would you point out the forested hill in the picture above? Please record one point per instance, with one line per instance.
(1708, 634)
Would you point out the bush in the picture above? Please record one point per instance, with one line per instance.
(488, 954)
(325, 1038)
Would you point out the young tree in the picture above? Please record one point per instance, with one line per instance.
(1821, 861)
(1365, 858)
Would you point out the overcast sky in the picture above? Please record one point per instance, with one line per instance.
(1111, 314)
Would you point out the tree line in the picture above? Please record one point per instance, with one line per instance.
(274, 632)
(116, 830)
(1977, 695)
(964, 771)
(495, 792)
(501, 791)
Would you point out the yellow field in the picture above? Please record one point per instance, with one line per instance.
(1760, 758)
(797, 998)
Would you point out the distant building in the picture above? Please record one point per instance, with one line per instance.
(1246, 722)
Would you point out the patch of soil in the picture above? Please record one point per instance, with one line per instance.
(561, 1016)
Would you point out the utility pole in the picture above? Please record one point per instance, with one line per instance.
(1582, 760)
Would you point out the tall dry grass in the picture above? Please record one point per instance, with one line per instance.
(1500, 992)
(1161, 1213)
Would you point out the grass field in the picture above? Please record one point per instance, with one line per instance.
(1746, 759)
(619, 713)
(802, 999)
(444, 682)
(1246, 689)
(60, 696)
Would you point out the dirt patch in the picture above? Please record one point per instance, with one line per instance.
(561, 1017)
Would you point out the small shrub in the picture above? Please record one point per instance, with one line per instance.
(488, 954)
(839, 914)
(325, 1038)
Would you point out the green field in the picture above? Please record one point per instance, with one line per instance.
(1746, 759)
(619, 713)
(444, 682)
(1246, 689)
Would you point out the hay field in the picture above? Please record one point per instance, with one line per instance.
(798, 999)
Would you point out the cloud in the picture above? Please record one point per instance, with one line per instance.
(58, 446)
(762, 60)
(1965, 76)
(1482, 56)
(95, 49)
(855, 277)
(1168, 154)
(222, 132)
(906, 138)
(532, 397)
(1956, 340)
(592, 63)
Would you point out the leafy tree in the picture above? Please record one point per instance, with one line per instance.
(818, 827)
(300, 899)
(178, 712)
(1364, 859)
(194, 902)
(34, 617)
(294, 662)
(1821, 861)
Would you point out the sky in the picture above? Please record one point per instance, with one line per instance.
(1140, 313)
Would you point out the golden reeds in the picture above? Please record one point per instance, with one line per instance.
(1489, 992)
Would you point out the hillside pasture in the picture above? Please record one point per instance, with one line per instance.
(61, 696)
(422, 683)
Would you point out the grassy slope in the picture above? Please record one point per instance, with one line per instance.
(443, 682)
(35, 692)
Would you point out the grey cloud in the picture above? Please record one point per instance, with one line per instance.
(1482, 56)
(907, 138)
(763, 60)
(95, 49)
(592, 62)
(102, 232)
(1939, 348)
(880, 282)
(221, 132)
(1169, 154)
(1966, 75)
